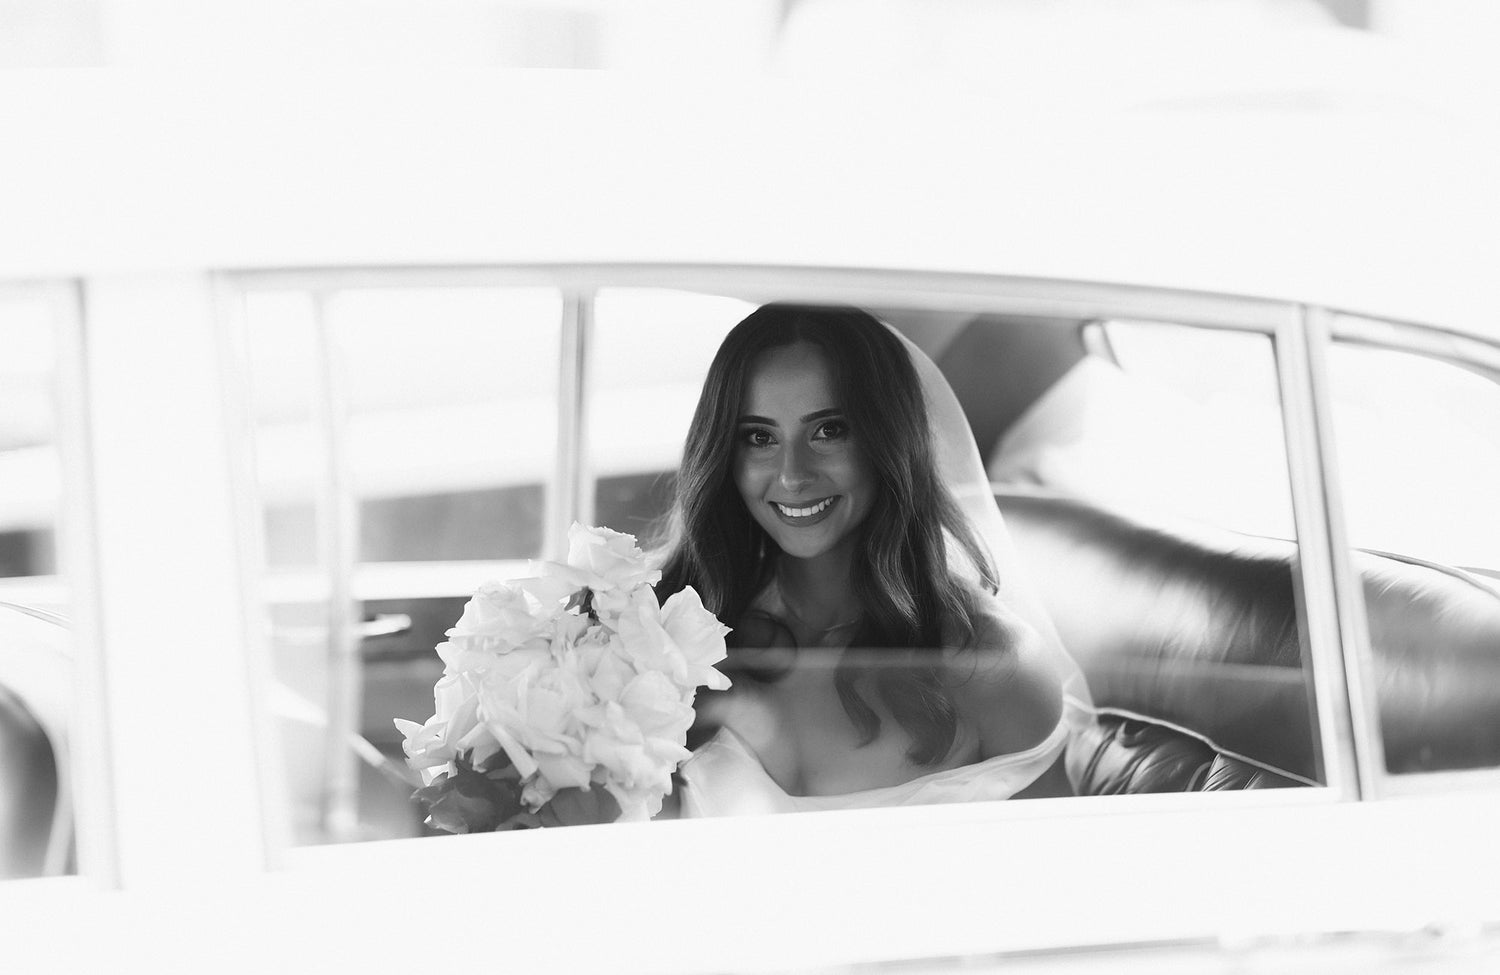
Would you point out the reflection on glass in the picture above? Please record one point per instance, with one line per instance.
(1175, 423)
(405, 438)
(1143, 475)
(1418, 451)
(640, 401)
(36, 669)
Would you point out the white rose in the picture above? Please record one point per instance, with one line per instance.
(552, 585)
(499, 616)
(643, 640)
(606, 667)
(426, 747)
(533, 715)
(453, 700)
(699, 635)
(638, 740)
(611, 559)
(611, 604)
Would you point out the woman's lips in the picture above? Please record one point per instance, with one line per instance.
(817, 511)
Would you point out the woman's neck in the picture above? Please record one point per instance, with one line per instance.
(819, 592)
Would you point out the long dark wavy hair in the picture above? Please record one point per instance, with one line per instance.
(900, 570)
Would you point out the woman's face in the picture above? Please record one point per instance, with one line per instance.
(797, 463)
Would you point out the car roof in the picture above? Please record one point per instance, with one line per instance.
(1383, 207)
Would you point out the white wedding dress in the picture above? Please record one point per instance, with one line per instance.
(724, 776)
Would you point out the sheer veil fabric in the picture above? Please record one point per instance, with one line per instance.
(724, 777)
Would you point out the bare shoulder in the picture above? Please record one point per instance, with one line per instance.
(1004, 682)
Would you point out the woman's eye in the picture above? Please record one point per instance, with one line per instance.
(757, 438)
(832, 430)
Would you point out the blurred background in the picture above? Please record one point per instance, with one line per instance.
(717, 36)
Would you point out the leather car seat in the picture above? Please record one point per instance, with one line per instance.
(36, 687)
(28, 790)
(1189, 639)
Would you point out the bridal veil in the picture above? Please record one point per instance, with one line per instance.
(963, 471)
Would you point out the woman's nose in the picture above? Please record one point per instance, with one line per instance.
(796, 472)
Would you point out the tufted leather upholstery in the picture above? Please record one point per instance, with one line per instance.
(1189, 638)
(1127, 754)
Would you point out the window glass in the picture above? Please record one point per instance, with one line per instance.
(1183, 423)
(649, 352)
(1185, 623)
(36, 665)
(1418, 452)
(1144, 478)
(405, 440)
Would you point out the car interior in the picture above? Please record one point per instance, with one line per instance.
(36, 818)
(1188, 633)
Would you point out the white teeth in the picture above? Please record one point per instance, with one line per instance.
(803, 512)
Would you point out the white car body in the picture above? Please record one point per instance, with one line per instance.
(152, 194)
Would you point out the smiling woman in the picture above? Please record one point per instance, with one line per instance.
(814, 513)
(796, 466)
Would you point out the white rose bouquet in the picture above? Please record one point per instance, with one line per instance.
(567, 696)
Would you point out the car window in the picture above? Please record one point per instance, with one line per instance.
(1181, 422)
(1417, 441)
(1143, 469)
(416, 439)
(36, 654)
(406, 437)
(639, 401)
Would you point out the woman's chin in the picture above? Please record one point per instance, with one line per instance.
(804, 543)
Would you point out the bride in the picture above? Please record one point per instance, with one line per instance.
(832, 508)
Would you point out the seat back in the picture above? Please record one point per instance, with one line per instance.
(28, 790)
(36, 821)
(1189, 638)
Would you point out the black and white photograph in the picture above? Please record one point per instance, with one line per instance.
(750, 486)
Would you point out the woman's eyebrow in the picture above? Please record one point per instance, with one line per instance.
(815, 415)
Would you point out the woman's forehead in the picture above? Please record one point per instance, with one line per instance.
(789, 382)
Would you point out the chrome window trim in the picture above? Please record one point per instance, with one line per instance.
(337, 517)
(1354, 635)
(1438, 343)
(93, 789)
(1415, 338)
(570, 496)
(1317, 607)
(239, 421)
(939, 290)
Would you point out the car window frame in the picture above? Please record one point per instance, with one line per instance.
(578, 284)
(89, 786)
(1325, 329)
